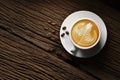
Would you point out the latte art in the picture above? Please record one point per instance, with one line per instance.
(85, 33)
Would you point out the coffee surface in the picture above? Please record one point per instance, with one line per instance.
(85, 33)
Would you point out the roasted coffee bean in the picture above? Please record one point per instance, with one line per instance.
(62, 35)
(67, 32)
(64, 28)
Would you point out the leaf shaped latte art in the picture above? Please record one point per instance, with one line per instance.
(85, 33)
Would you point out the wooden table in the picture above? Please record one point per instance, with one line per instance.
(30, 47)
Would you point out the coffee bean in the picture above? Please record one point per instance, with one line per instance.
(67, 32)
(64, 28)
(62, 35)
(53, 23)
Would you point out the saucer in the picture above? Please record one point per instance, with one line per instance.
(70, 21)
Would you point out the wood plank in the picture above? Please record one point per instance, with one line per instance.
(29, 20)
(22, 60)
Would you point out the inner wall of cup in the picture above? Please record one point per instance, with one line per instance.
(91, 45)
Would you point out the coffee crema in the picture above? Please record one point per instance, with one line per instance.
(85, 33)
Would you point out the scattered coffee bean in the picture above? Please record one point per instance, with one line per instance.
(67, 32)
(53, 23)
(49, 21)
(64, 28)
(49, 34)
(62, 35)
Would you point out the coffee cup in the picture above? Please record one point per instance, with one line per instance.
(85, 34)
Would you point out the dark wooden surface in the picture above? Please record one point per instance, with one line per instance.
(30, 47)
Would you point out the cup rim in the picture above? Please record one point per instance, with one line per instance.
(89, 47)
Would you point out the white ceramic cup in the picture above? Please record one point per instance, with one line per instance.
(89, 47)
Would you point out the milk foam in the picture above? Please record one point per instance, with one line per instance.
(85, 33)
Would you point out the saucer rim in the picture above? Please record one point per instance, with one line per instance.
(105, 31)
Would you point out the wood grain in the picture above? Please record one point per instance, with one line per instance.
(30, 47)
(21, 60)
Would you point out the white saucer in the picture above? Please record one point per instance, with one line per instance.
(69, 22)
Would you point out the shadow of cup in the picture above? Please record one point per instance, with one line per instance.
(88, 52)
